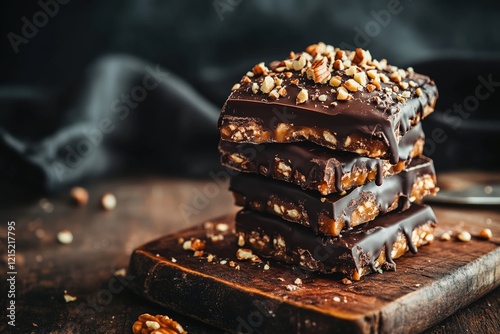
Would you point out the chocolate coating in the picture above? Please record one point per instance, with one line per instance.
(353, 250)
(316, 167)
(380, 116)
(257, 192)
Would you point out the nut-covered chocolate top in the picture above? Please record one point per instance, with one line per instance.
(361, 93)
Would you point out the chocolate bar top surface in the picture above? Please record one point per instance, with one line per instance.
(256, 187)
(314, 161)
(383, 106)
(367, 238)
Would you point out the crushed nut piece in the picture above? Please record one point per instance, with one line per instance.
(79, 195)
(346, 281)
(335, 81)
(274, 94)
(319, 71)
(120, 272)
(236, 86)
(210, 257)
(241, 241)
(267, 84)
(370, 88)
(260, 69)
(174, 260)
(278, 81)
(485, 234)
(148, 324)
(292, 287)
(343, 94)
(406, 94)
(65, 237)
(250, 74)
(69, 298)
(403, 85)
(352, 85)
(298, 281)
(361, 78)
(322, 97)
(299, 63)
(282, 91)
(302, 97)
(338, 65)
(418, 91)
(294, 82)
(266, 267)
(108, 201)
(464, 236)
(194, 244)
(446, 236)
(246, 254)
(351, 71)
(223, 262)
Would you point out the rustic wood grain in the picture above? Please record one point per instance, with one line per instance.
(103, 241)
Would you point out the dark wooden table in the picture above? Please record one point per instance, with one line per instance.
(103, 242)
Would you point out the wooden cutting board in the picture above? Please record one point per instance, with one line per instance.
(425, 289)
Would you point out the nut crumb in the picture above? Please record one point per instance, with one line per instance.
(79, 195)
(292, 287)
(69, 298)
(266, 267)
(148, 324)
(302, 97)
(120, 272)
(336, 299)
(174, 260)
(210, 257)
(322, 97)
(108, 201)
(236, 87)
(464, 236)
(223, 262)
(194, 244)
(485, 234)
(346, 281)
(65, 237)
(446, 236)
(246, 254)
(297, 281)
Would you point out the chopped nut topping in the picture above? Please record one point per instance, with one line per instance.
(464, 236)
(346, 281)
(250, 74)
(298, 281)
(338, 65)
(395, 76)
(274, 94)
(266, 267)
(288, 64)
(406, 94)
(352, 85)
(288, 74)
(343, 94)
(236, 86)
(361, 78)
(246, 254)
(299, 63)
(282, 91)
(69, 298)
(370, 88)
(79, 195)
(278, 81)
(351, 71)
(315, 49)
(486, 234)
(302, 97)
(65, 237)
(377, 84)
(294, 81)
(319, 71)
(335, 81)
(403, 85)
(148, 324)
(361, 57)
(372, 74)
(267, 85)
(292, 287)
(260, 69)
(322, 97)
(412, 84)
(194, 244)
(384, 78)
(418, 91)
(255, 88)
(241, 241)
(108, 201)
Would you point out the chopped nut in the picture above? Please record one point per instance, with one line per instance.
(322, 97)
(267, 85)
(445, 236)
(412, 84)
(260, 69)
(403, 85)
(278, 81)
(318, 71)
(250, 74)
(315, 49)
(336, 299)
(288, 64)
(298, 281)
(255, 88)
(335, 81)
(210, 257)
(370, 88)
(79, 195)
(236, 86)
(241, 241)
(65, 237)
(384, 78)
(338, 65)
(246, 79)
(148, 324)
(223, 262)
(361, 57)
(343, 94)
(288, 74)
(174, 260)
(120, 272)
(361, 78)
(351, 71)
(232, 263)
(485, 234)
(464, 236)
(302, 97)
(108, 201)
(372, 74)
(352, 85)
(418, 91)
(406, 94)
(395, 76)
(282, 91)
(377, 84)
(299, 63)
(294, 81)
(274, 94)
(222, 227)
(346, 281)
(194, 244)
(69, 298)
(198, 253)
(292, 287)
(266, 267)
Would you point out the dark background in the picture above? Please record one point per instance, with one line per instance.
(66, 77)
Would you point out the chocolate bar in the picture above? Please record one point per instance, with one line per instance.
(358, 252)
(331, 214)
(343, 100)
(315, 167)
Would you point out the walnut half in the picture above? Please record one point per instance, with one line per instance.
(159, 324)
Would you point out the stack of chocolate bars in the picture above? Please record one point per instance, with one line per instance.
(329, 145)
